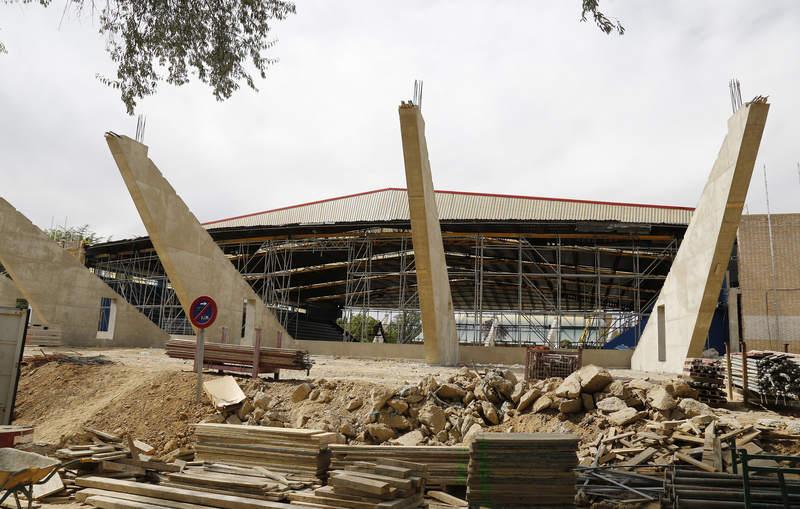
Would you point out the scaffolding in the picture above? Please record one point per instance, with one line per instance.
(533, 289)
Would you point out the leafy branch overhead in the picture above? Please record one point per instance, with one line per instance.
(221, 42)
(592, 7)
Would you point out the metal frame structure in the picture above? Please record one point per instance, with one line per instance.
(558, 283)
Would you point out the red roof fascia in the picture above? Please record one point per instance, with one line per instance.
(464, 193)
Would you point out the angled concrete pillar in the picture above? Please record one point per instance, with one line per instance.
(193, 262)
(63, 293)
(436, 303)
(681, 317)
(8, 292)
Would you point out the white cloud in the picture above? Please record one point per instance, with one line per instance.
(519, 98)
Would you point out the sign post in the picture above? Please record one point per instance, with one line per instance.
(202, 314)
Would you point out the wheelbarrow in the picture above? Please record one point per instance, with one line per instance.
(20, 470)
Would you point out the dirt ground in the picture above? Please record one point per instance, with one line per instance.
(145, 393)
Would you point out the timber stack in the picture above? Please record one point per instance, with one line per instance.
(447, 466)
(385, 484)
(107, 493)
(252, 482)
(241, 356)
(707, 377)
(300, 453)
(503, 467)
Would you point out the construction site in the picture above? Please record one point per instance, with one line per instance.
(407, 347)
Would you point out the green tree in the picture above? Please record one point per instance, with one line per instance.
(64, 234)
(152, 41)
(404, 327)
(360, 327)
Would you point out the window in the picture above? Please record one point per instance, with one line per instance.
(248, 324)
(662, 334)
(108, 318)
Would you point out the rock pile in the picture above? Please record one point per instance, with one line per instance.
(453, 410)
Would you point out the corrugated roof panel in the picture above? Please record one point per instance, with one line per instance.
(392, 204)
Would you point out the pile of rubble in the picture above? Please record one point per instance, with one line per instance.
(452, 411)
(622, 421)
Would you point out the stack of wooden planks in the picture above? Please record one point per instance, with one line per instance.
(385, 484)
(300, 453)
(707, 377)
(522, 470)
(43, 335)
(253, 482)
(241, 356)
(120, 494)
(447, 466)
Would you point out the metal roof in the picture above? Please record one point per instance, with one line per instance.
(391, 204)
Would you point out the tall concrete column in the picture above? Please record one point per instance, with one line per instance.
(193, 262)
(63, 293)
(8, 292)
(681, 317)
(435, 300)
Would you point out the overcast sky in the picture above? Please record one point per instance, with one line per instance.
(519, 98)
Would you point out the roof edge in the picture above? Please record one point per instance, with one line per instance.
(464, 193)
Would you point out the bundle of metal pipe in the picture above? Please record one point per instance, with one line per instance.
(241, 355)
(687, 489)
(773, 376)
(620, 486)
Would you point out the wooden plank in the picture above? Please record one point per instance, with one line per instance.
(118, 503)
(447, 498)
(82, 495)
(180, 494)
(641, 457)
(102, 435)
(699, 464)
(364, 484)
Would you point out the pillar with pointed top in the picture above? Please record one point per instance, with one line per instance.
(681, 317)
(436, 303)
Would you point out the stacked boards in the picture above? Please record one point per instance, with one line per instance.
(302, 454)
(512, 470)
(241, 356)
(447, 466)
(120, 494)
(385, 484)
(251, 482)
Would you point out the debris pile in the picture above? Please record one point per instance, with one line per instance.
(505, 467)
(37, 360)
(386, 483)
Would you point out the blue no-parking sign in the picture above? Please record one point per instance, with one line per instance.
(203, 312)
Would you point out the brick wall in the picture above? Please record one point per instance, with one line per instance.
(770, 306)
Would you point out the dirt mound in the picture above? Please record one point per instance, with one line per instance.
(59, 399)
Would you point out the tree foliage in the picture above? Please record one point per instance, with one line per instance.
(216, 41)
(592, 8)
(84, 234)
(403, 328)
